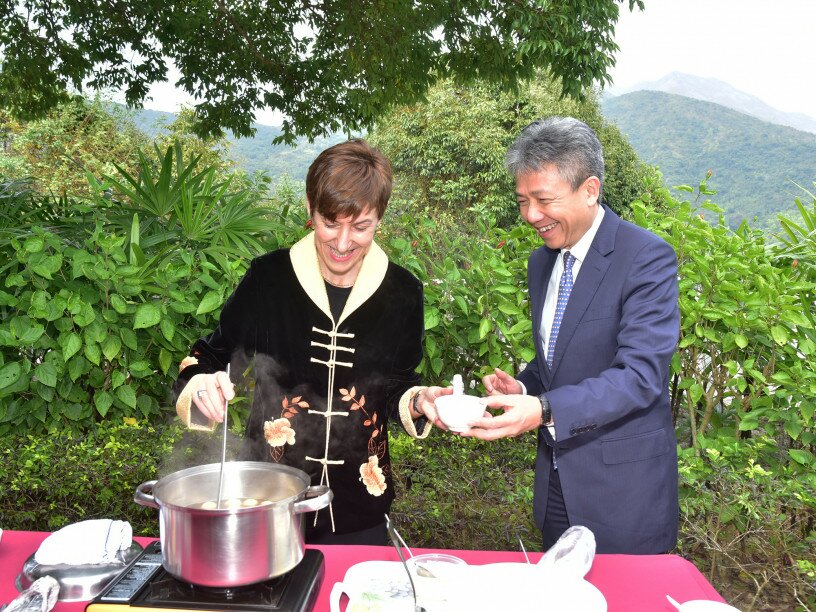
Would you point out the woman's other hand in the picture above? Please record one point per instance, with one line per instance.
(210, 394)
(426, 405)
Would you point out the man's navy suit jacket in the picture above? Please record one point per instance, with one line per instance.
(616, 449)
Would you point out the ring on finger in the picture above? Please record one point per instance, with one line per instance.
(201, 392)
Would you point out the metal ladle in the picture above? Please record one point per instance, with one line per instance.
(223, 450)
(398, 542)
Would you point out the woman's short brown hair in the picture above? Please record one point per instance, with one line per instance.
(347, 179)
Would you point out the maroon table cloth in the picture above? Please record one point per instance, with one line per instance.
(628, 582)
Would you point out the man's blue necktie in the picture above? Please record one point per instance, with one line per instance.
(564, 290)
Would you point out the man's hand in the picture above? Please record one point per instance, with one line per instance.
(501, 383)
(521, 413)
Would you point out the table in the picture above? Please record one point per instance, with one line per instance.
(630, 583)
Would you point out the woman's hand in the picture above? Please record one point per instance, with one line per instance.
(210, 394)
(426, 405)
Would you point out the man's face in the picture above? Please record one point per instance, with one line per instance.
(548, 203)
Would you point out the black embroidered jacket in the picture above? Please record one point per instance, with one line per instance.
(324, 389)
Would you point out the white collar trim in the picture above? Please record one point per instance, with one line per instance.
(303, 255)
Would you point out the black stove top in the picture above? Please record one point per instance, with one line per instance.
(145, 584)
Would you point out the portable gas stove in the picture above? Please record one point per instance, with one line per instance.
(145, 585)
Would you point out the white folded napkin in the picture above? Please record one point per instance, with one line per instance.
(572, 554)
(86, 542)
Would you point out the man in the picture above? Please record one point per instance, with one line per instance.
(603, 298)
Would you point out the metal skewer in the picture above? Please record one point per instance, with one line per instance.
(223, 450)
(524, 550)
(398, 542)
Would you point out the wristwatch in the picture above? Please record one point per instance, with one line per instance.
(546, 410)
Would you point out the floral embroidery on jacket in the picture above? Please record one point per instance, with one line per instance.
(376, 442)
(279, 432)
(372, 476)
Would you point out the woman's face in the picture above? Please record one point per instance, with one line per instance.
(343, 243)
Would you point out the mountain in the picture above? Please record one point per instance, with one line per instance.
(718, 92)
(256, 154)
(755, 165)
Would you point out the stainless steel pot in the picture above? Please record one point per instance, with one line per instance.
(231, 547)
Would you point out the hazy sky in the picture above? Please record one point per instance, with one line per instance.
(762, 47)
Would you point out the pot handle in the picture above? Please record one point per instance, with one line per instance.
(317, 497)
(143, 495)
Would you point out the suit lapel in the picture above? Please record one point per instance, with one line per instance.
(593, 270)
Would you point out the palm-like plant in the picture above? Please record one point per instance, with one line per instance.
(800, 239)
(182, 206)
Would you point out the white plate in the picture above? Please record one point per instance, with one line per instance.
(382, 586)
(704, 605)
(526, 588)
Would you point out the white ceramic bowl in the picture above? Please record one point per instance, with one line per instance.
(456, 411)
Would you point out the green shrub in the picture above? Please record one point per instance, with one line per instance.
(463, 493)
(748, 522)
(47, 482)
(744, 363)
(99, 303)
(87, 335)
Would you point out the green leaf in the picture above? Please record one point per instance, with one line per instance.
(93, 353)
(436, 365)
(740, 340)
(507, 289)
(128, 338)
(118, 303)
(211, 301)
(431, 318)
(45, 392)
(793, 428)
(168, 328)
(111, 347)
(484, 328)
(127, 395)
(31, 334)
(34, 244)
(801, 455)
(71, 345)
(46, 266)
(103, 401)
(10, 374)
(46, 373)
(509, 309)
(780, 334)
(147, 315)
(117, 378)
(76, 367)
(165, 360)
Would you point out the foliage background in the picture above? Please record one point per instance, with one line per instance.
(102, 295)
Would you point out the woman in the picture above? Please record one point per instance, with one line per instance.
(335, 332)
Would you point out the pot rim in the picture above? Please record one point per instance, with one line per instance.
(238, 465)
